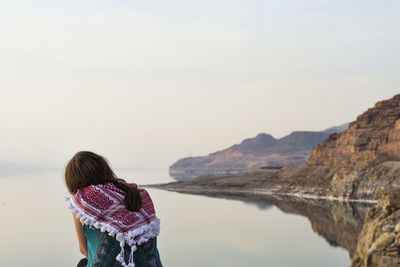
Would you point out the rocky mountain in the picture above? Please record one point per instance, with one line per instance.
(253, 153)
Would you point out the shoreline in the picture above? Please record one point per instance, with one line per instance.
(255, 192)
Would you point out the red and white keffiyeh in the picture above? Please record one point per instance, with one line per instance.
(102, 206)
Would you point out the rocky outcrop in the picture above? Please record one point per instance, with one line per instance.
(364, 157)
(376, 132)
(253, 153)
(379, 241)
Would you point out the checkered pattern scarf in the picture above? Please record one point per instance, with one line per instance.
(102, 206)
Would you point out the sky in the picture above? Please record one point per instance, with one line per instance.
(145, 83)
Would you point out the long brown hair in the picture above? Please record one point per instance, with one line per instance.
(87, 168)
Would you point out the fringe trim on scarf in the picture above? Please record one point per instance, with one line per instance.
(145, 233)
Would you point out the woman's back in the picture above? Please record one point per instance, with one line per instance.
(103, 250)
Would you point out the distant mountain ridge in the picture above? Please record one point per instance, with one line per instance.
(252, 153)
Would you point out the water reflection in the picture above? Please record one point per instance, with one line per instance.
(260, 206)
(339, 223)
(189, 174)
(196, 230)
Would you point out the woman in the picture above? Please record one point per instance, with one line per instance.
(115, 222)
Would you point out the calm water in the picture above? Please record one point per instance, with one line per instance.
(37, 227)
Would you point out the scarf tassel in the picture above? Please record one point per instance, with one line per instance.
(121, 256)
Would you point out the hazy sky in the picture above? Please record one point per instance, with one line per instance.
(147, 82)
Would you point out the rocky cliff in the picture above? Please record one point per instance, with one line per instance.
(253, 153)
(379, 241)
(366, 156)
(374, 133)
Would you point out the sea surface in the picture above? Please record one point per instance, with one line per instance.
(37, 227)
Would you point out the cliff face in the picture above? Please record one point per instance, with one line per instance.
(366, 155)
(376, 132)
(379, 241)
(253, 153)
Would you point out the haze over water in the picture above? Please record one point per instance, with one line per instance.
(195, 230)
